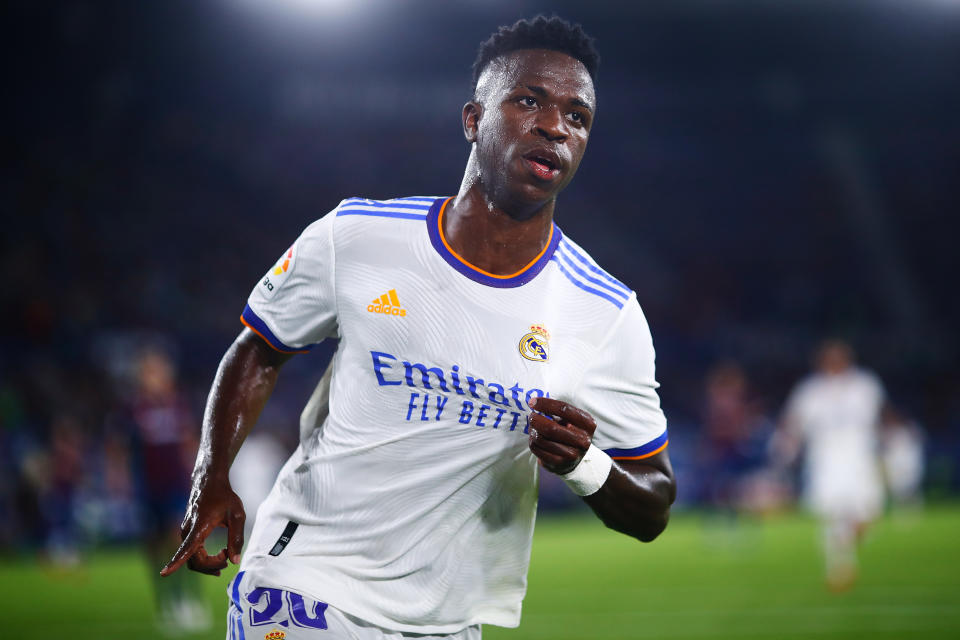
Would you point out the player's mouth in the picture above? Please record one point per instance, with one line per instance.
(543, 165)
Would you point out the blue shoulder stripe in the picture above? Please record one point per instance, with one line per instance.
(597, 292)
(643, 451)
(414, 208)
(565, 250)
(425, 200)
(594, 268)
(390, 204)
(382, 214)
(258, 326)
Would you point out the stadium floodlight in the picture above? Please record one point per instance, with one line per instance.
(306, 8)
(322, 6)
(297, 24)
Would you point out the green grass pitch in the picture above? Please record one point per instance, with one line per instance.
(701, 579)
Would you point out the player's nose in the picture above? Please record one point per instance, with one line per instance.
(550, 124)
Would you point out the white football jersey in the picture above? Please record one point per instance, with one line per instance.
(837, 417)
(411, 499)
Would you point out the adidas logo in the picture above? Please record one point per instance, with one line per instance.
(388, 303)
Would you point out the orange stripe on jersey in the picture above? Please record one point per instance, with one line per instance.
(265, 339)
(646, 455)
(478, 270)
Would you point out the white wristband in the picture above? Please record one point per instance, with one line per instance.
(588, 476)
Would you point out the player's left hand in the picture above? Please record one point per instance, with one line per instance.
(561, 438)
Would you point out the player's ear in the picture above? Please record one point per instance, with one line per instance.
(471, 120)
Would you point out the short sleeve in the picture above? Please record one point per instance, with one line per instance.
(619, 390)
(293, 307)
(879, 393)
(794, 417)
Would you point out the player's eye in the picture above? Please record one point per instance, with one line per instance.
(528, 101)
(577, 117)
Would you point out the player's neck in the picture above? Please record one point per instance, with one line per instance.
(490, 238)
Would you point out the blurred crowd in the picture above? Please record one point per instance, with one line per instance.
(102, 454)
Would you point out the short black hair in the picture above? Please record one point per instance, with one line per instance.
(541, 32)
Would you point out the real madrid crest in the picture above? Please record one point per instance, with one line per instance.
(536, 344)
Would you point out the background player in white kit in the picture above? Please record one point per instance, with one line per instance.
(835, 415)
(408, 507)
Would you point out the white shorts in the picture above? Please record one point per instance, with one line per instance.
(267, 613)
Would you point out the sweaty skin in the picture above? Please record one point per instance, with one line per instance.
(528, 126)
(244, 382)
(528, 102)
(637, 495)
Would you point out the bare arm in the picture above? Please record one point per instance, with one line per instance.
(636, 497)
(241, 388)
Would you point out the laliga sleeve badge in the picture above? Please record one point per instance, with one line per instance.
(284, 263)
(275, 634)
(535, 345)
(277, 274)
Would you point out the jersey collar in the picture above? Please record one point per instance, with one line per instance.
(525, 275)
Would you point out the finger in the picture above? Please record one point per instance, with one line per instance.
(573, 436)
(202, 562)
(559, 464)
(235, 533)
(191, 543)
(565, 434)
(549, 461)
(550, 448)
(565, 411)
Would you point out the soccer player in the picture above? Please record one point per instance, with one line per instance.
(835, 415)
(163, 431)
(478, 343)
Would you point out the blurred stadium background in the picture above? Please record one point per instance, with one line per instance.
(763, 173)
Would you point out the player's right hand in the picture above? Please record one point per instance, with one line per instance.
(214, 505)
